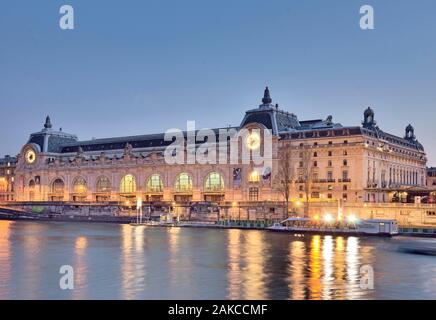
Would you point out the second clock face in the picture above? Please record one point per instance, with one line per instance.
(30, 156)
(253, 141)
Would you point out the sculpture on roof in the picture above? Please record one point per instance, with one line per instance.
(266, 97)
(368, 119)
(128, 150)
(410, 133)
(47, 123)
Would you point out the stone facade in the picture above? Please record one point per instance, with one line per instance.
(348, 164)
(431, 178)
(7, 177)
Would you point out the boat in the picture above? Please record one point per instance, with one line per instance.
(379, 227)
(145, 223)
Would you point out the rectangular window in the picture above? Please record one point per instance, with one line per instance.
(253, 194)
(345, 175)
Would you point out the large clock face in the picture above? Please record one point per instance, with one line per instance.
(253, 141)
(30, 156)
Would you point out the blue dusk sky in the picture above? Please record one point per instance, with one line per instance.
(140, 66)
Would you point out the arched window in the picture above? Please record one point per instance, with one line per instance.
(79, 185)
(103, 184)
(31, 184)
(3, 185)
(128, 184)
(58, 186)
(214, 182)
(183, 183)
(154, 183)
(254, 176)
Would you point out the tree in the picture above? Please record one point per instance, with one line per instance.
(285, 175)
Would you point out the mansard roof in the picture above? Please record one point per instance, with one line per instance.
(351, 131)
(280, 122)
(50, 140)
(7, 159)
(118, 143)
(380, 134)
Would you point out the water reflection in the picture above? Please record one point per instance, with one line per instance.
(353, 267)
(112, 261)
(315, 264)
(234, 274)
(133, 272)
(254, 274)
(80, 267)
(297, 267)
(5, 258)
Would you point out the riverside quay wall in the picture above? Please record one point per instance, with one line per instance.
(406, 214)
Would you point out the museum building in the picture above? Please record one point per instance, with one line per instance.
(329, 162)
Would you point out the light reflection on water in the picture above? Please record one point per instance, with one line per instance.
(125, 262)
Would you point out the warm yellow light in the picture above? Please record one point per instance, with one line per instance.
(316, 217)
(139, 202)
(328, 218)
(234, 203)
(30, 156)
(254, 176)
(298, 203)
(253, 141)
(352, 218)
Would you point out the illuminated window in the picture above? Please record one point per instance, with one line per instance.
(79, 185)
(103, 184)
(3, 185)
(58, 186)
(154, 183)
(183, 183)
(214, 182)
(254, 176)
(128, 184)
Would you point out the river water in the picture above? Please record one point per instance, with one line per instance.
(113, 261)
